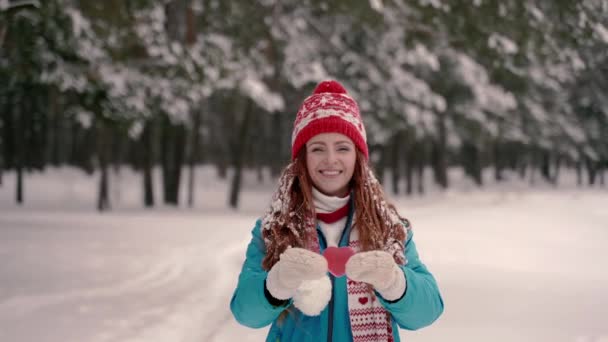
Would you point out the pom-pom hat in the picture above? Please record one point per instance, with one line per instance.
(328, 110)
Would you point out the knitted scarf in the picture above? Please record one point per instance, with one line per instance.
(370, 321)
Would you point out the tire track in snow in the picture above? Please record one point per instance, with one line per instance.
(201, 298)
(159, 275)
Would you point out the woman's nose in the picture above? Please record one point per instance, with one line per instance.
(331, 156)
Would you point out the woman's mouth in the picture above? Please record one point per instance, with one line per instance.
(330, 173)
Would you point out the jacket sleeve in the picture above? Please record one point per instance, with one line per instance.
(249, 304)
(421, 304)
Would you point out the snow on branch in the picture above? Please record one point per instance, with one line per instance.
(263, 97)
(6, 5)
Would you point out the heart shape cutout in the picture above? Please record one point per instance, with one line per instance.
(336, 259)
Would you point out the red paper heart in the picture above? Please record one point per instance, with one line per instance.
(337, 258)
(362, 300)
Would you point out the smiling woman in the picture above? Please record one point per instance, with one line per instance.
(329, 213)
(330, 162)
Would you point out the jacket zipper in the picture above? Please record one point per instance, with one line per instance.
(330, 314)
(330, 324)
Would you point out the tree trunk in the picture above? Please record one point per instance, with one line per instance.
(190, 35)
(20, 112)
(102, 143)
(224, 133)
(173, 140)
(556, 171)
(532, 166)
(191, 184)
(176, 15)
(591, 171)
(6, 137)
(579, 173)
(409, 167)
(116, 155)
(260, 172)
(222, 169)
(498, 162)
(54, 123)
(238, 154)
(190, 38)
(19, 192)
(523, 165)
(259, 156)
(396, 162)
(602, 170)
(382, 162)
(440, 153)
(166, 154)
(545, 166)
(472, 162)
(103, 200)
(147, 158)
(420, 175)
(148, 188)
(277, 133)
(420, 163)
(277, 145)
(192, 158)
(178, 161)
(1, 147)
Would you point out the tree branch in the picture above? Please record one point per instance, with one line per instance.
(6, 5)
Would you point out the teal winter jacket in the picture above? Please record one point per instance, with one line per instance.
(420, 306)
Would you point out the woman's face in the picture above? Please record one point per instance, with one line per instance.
(330, 160)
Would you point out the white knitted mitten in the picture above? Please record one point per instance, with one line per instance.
(379, 269)
(295, 265)
(312, 296)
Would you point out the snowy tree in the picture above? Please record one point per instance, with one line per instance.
(511, 85)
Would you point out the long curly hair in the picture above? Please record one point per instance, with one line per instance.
(290, 220)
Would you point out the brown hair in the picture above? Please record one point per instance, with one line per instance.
(290, 221)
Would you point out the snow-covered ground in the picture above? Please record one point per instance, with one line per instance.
(513, 263)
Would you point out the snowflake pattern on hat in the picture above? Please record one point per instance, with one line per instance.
(328, 110)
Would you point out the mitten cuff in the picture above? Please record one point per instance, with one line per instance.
(397, 288)
(312, 296)
(274, 286)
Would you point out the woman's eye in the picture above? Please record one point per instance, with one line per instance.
(344, 149)
(316, 149)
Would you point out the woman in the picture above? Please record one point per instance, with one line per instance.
(328, 206)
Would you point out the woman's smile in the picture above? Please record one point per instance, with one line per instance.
(330, 160)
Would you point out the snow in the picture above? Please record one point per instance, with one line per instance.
(602, 32)
(538, 14)
(115, 77)
(79, 23)
(513, 262)
(84, 117)
(422, 56)
(377, 5)
(502, 43)
(487, 96)
(88, 44)
(433, 3)
(136, 129)
(300, 66)
(61, 75)
(264, 97)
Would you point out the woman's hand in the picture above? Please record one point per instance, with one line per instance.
(379, 269)
(295, 265)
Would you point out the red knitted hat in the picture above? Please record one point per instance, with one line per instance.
(328, 110)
